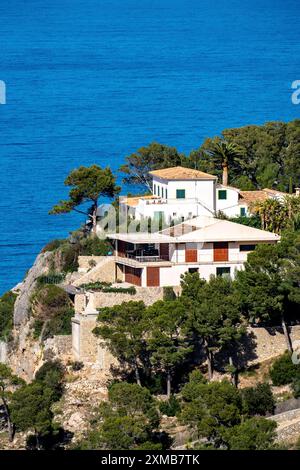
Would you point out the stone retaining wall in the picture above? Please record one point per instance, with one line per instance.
(270, 342)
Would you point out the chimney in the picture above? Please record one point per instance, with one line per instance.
(297, 190)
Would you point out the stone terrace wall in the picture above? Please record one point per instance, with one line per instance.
(270, 342)
(108, 299)
(104, 271)
(84, 262)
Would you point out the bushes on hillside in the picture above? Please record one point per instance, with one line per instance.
(52, 310)
(258, 400)
(7, 302)
(79, 244)
(283, 371)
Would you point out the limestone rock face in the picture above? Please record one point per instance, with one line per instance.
(21, 310)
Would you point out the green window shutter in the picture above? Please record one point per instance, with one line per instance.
(243, 212)
(222, 194)
(180, 193)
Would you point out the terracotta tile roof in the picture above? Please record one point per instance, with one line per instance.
(181, 173)
(249, 197)
(274, 192)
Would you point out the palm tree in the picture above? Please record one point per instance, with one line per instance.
(277, 215)
(228, 153)
(273, 214)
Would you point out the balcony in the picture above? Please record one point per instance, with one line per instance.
(147, 256)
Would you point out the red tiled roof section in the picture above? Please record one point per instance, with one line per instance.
(181, 173)
(249, 197)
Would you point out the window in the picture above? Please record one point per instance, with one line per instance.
(243, 211)
(222, 194)
(162, 192)
(224, 272)
(174, 214)
(158, 190)
(154, 189)
(193, 270)
(180, 193)
(166, 194)
(247, 247)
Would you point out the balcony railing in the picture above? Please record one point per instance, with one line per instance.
(144, 258)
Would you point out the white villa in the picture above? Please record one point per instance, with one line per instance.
(180, 193)
(203, 244)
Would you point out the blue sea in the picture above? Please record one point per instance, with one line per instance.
(90, 81)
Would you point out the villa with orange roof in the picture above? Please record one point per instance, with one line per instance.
(180, 194)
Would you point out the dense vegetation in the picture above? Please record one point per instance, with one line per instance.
(28, 407)
(65, 253)
(254, 157)
(52, 311)
(7, 302)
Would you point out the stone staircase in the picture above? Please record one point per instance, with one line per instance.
(104, 271)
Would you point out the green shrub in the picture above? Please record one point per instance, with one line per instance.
(258, 400)
(51, 278)
(77, 365)
(121, 290)
(52, 310)
(53, 245)
(106, 287)
(168, 293)
(283, 371)
(70, 253)
(7, 302)
(95, 285)
(95, 246)
(170, 407)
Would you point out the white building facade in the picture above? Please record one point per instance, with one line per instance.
(205, 245)
(182, 193)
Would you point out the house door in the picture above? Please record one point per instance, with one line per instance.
(221, 251)
(152, 277)
(133, 275)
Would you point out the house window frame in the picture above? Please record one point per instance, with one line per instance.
(225, 271)
(247, 247)
(221, 193)
(180, 193)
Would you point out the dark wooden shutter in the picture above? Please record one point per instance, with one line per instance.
(191, 255)
(133, 275)
(153, 277)
(164, 251)
(221, 251)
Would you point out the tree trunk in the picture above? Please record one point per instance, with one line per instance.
(37, 440)
(168, 385)
(209, 357)
(225, 174)
(94, 217)
(286, 334)
(10, 425)
(234, 379)
(137, 375)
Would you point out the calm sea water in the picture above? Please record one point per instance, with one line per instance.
(92, 80)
